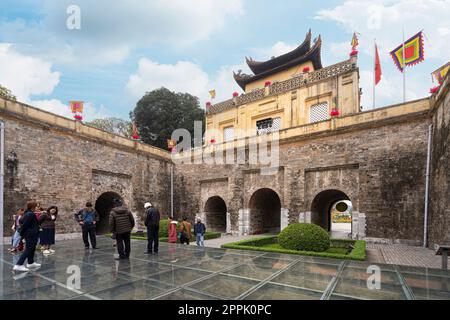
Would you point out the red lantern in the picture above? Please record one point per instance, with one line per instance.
(213, 140)
(235, 94)
(135, 137)
(334, 112)
(354, 53)
(208, 104)
(78, 117)
(306, 69)
(434, 90)
(267, 83)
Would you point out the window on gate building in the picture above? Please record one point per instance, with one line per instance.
(268, 125)
(318, 112)
(228, 134)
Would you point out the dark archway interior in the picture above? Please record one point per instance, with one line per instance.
(321, 207)
(216, 214)
(103, 206)
(265, 211)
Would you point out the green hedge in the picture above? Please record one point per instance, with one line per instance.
(257, 244)
(304, 237)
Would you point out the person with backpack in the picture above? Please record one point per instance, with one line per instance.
(152, 223)
(185, 231)
(121, 221)
(199, 231)
(87, 219)
(29, 231)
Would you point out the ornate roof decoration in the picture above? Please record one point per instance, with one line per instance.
(258, 67)
(284, 86)
(313, 55)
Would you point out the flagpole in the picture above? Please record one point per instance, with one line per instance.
(374, 69)
(404, 68)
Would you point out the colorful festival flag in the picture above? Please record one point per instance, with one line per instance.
(171, 144)
(135, 134)
(440, 73)
(212, 93)
(355, 41)
(414, 52)
(378, 72)
(76, 106)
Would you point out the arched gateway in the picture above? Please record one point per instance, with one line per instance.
(265, 211)
(216, 214)
(103, 206)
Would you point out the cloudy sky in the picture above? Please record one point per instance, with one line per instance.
(126, 48)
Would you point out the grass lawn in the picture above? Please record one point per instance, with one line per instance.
(340, 249)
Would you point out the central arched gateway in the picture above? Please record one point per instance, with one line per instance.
(322, 205)
(265, 211)
(216, 214)
(103, 206)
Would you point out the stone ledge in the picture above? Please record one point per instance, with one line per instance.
(51, 121)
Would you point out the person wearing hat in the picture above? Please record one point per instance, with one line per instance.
(87, 218)
(121, 221)
(152, 223)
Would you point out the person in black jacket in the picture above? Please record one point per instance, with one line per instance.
(152, 223)
(30, 232)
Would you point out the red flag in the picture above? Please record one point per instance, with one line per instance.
(377, 66)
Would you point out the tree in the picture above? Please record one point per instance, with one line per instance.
(159, 112)
(114, 125)
(6, 93)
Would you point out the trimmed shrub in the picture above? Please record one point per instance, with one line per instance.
(163, 228)
(304, 237)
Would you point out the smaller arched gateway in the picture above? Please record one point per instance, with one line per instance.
(216, 214)
(103, 206)
(265, 211)
(327, 203)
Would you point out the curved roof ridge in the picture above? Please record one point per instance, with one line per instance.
(258, 67)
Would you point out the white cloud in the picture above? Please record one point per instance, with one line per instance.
(183, 76)
(57, 107)
(110, 30)
(384, 21)
(26, 76)
(276, 50)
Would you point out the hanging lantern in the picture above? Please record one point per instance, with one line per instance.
(78, 117)
(306, 69)
(208, 104)
(267, 83)
(235, 94)
(354, 53)
(213, 140)
(334, 112)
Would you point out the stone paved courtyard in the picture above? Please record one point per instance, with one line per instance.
(186, 272)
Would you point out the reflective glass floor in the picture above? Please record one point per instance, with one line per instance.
(189, 273)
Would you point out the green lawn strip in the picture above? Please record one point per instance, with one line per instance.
(269, 244)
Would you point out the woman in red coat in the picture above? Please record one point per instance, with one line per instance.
(172, 227)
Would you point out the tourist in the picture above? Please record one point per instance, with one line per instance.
(87, 218)
(30, 232)
(121, 221)
(48, 225)
(172, 229)
(17, 243)
(199, 231)
(152, 223)
(185, 231)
